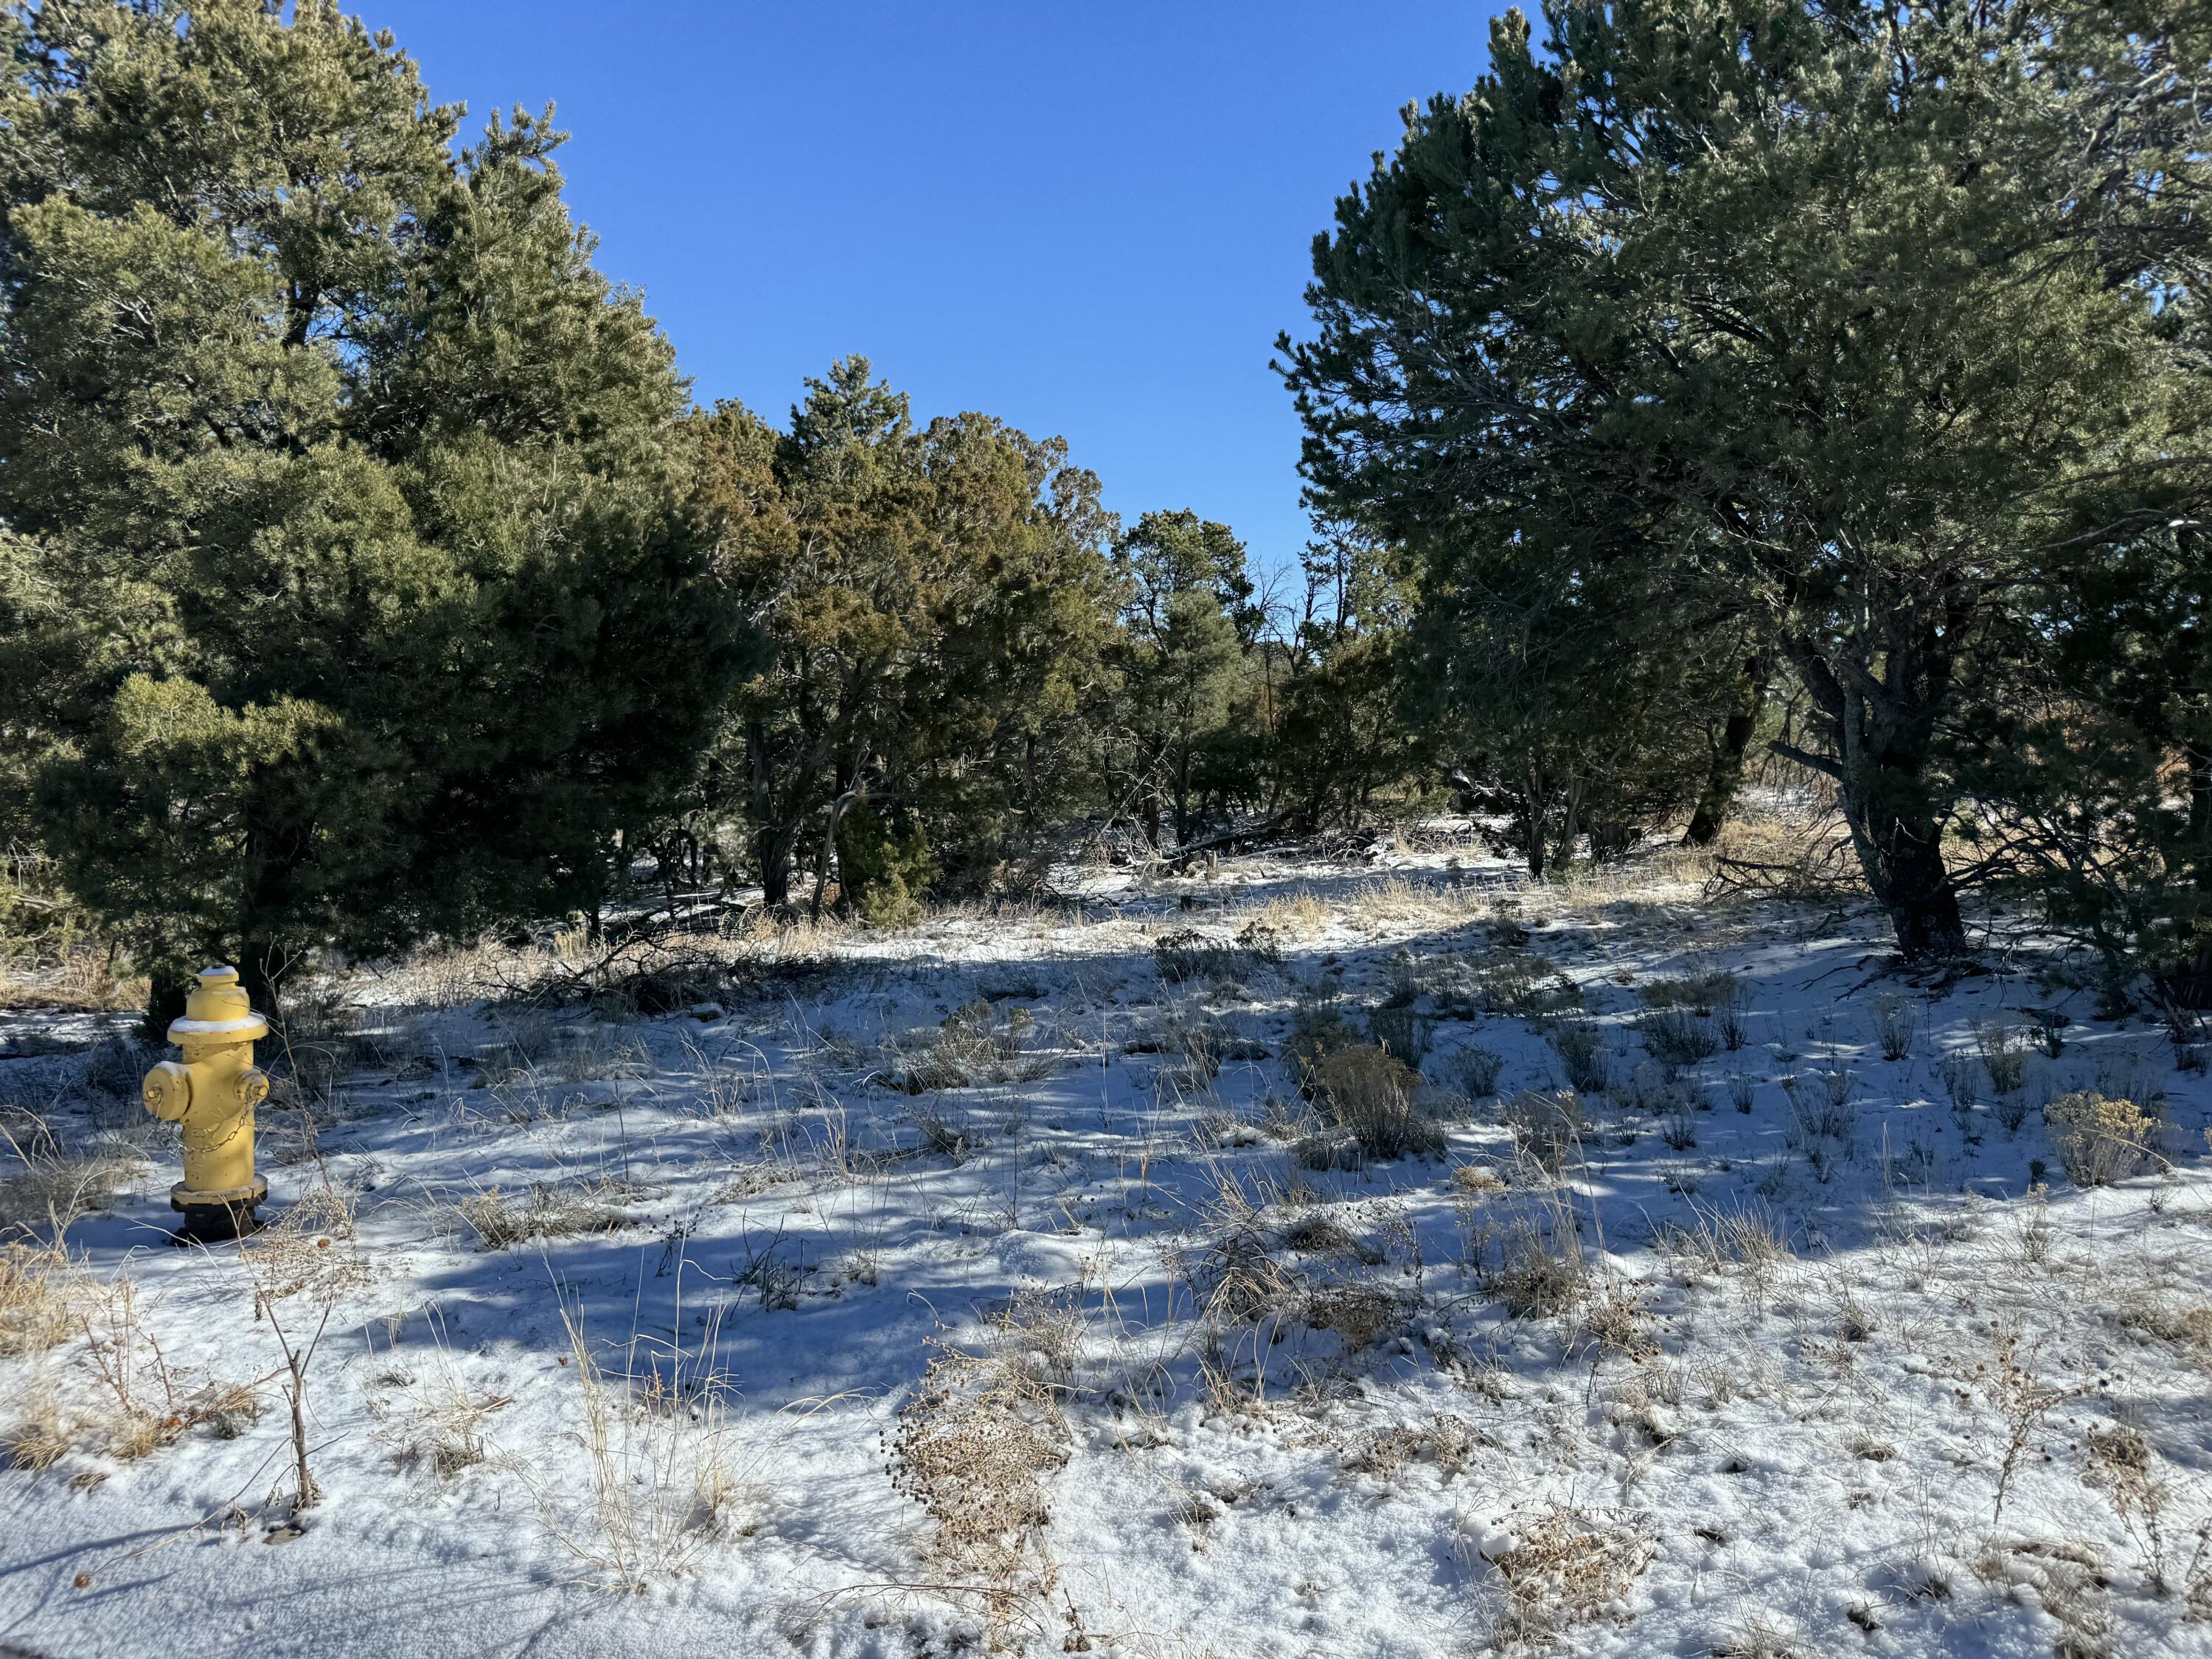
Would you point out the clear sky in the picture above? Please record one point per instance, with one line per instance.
(1087, 217)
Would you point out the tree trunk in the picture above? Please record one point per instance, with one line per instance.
(1532, 817)
(1881, 731)
(167, 987)
(1724, 777)
(1903, 864)
(837, 812)
(772, 852)
(2198, 759)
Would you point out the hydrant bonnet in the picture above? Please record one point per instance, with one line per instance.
(219, 1008)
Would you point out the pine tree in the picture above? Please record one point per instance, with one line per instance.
(1852, 309)
(1188, 622)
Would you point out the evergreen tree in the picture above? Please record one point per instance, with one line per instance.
(1188, 620)
(351, 593)
(1343, 734)
(1851, 308)
(932, 605)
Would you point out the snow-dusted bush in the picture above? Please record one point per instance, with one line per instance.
(1958, 1072)
(1318, 1028)
(1677, 1036)
(1186, 954)
(1702, 993)
(1520, 983)
(2099, 1141)
(1475, 1072)
(1400, 1030)
(1896, 1022)
(2004, 1056)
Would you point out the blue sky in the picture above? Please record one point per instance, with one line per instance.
(1088, 219)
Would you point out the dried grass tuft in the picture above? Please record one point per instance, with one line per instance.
(1371, 1094)
(43, 1293)
(974, 1447)
(1546, 1125)
(501, 1220)
(1564, 1566)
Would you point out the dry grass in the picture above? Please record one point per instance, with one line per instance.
(1616, 1322)
(500, 1220)
(54, 1188)
(975, 1044)
(1562, 1566)
(1546, 1126)
(1370, 1094)
(1805, 857)
(974, 1447)
(1361, 1315)
(1450, 1442)
(1537, 1270)
(130, 1401)
(1298, 915)
(44, 1295)
(1234, 1279)
(81, 977)
(442, 1431)
(40, 1437)
(1742, 1238)
(657, 1442)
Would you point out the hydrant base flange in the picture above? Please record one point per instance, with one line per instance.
(211, 1218)
(182, 1197)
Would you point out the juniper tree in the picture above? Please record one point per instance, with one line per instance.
(932, 603)
(1343, 735)
(351, 593)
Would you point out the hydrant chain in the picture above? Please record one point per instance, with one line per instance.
(210, 1096)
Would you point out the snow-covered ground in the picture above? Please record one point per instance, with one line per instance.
(993, 1283)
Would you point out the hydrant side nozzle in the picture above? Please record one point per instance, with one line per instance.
(169, 1090)
(252, 1087)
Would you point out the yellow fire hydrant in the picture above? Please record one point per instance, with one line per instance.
(211, 1096)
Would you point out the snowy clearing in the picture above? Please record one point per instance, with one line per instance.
(995, 1283)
